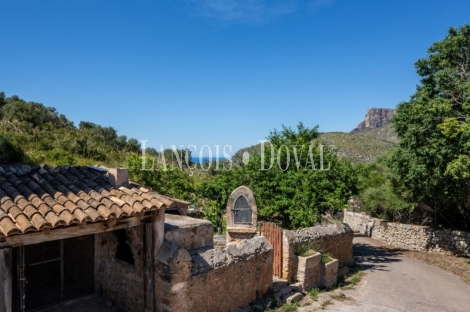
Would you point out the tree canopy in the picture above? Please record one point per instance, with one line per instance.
(296, 189)
(432, 157)
(33, 133)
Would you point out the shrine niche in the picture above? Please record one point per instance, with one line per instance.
(242, 215)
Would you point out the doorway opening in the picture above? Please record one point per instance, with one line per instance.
(52, 272)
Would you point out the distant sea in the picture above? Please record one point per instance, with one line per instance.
(201, 160)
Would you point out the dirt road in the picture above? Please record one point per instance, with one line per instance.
(396, 283)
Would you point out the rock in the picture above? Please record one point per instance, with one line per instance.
(294, 298)
(342, 271)
(281, 294)
(375, 118)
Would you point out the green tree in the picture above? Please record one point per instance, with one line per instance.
(296, 189)
(432, 158)
(382, 193)
(170, 181)
(32, 113)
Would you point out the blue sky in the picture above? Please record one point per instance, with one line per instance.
(217, 71)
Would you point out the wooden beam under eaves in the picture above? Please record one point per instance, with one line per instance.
(73, 231)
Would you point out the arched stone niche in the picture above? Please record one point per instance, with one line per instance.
(242, 215)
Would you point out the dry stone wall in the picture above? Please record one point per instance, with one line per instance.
(214, 279)
(409, 236)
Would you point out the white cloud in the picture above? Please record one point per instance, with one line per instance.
(251, 11)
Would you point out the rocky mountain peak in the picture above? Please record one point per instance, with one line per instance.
(375, 118)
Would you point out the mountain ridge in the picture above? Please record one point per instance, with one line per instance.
(375, 118)
(372, 137)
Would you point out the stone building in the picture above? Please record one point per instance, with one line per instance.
(195, 276)
(72, 232)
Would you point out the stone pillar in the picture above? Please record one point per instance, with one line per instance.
(6, 264)
(118, 176)
(288, 255)
(149, 268)
(158, 231)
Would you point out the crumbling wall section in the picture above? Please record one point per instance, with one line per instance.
(116, 279)
(214, 279)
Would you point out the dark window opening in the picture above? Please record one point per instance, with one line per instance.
(53, 272)
(124, 251)
(173, 211)
(242, 211)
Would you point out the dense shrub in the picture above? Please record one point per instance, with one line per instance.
(10, 151)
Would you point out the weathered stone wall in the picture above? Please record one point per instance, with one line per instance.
(214, 279)
(334, 239)
(118, 280)
(308, 271)
(409, 236)
(188, 233)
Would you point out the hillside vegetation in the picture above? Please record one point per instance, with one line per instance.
(357, 147)
(32, 133)
(385, 133)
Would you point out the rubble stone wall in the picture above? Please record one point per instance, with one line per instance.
(188, 233)
(116, 279)
(409, 236)
(333, 239)
(214, 279)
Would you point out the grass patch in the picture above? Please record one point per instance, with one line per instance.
(355, 278)
(352, 280)
(340, 296)
(344, 282)
(326, 258)
(288, 307)
(314, 293)
(306, 249)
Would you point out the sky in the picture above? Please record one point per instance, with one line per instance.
(218, 72)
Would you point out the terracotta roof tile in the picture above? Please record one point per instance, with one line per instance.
(14, 212)
(3, 214)
(33, 199)
(7, 227)
(54, 219)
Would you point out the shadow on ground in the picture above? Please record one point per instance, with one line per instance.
(369, 257)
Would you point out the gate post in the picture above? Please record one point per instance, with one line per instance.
(288, 255)
(6, 291)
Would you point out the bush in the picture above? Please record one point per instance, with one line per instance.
(10, 151)
(60, 157)
(382, 193)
